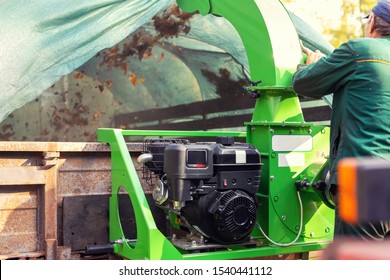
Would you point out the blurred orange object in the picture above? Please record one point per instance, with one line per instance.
(352, 249)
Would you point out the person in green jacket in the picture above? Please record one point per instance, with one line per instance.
(358, 75)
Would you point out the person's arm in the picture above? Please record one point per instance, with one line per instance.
(324, 75)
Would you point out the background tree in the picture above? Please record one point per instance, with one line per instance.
(351, 21)
(339, 20)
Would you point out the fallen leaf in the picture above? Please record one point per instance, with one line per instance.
(133, 78)
(78, 76)
(162, 56)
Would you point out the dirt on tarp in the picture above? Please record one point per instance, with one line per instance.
(169, 24)
(225, 86)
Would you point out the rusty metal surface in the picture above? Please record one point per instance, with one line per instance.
(25, 176)
(19, 215)
(64, 253)
(84, 175)
(92, 210)
(35, 178)
(20, 146)
(22, 256)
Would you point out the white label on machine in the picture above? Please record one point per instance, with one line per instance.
(240, 156)
(292, 159)
(292, 143)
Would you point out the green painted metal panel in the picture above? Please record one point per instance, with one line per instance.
(151, 243)
(182, 133)
(279, 211)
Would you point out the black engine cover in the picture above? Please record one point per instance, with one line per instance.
(213, 185)
(225, 217)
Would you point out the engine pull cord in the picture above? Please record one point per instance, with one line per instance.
(300, 227)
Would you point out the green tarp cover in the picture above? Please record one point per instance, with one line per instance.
(42, 40)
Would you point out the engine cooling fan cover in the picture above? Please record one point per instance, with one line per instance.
(226, 217)
(234, 215)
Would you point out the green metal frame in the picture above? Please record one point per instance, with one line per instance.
(151, 243)
(273, 54)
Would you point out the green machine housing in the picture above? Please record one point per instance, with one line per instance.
(286, 210)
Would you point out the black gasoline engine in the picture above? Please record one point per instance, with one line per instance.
(211, 187)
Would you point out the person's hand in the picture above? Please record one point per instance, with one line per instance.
(312, 57)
